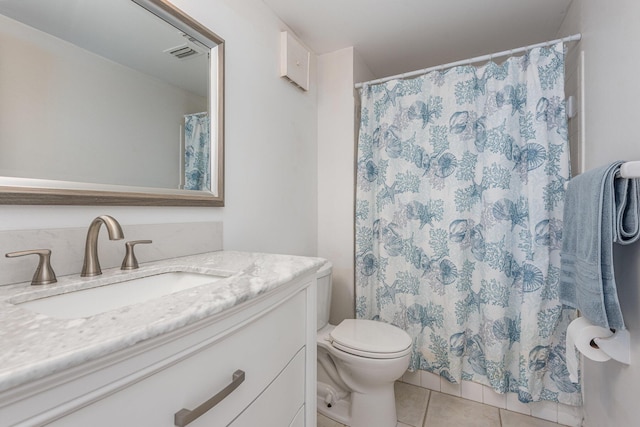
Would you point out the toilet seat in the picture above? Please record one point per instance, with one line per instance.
(371, 339)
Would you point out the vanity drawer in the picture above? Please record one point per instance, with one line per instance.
(262, 349)
(285, 393)
(298, 420)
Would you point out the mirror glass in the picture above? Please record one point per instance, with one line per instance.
(106, 96)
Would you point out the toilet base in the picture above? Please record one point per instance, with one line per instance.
(339, 411)
(375, 409)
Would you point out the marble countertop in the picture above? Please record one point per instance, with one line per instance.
(34, 345)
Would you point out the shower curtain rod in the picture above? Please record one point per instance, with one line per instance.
(575, 37)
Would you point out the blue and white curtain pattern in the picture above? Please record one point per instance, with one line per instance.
(197, 147)
(460, 186)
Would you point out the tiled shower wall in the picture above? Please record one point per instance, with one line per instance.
(550, 411)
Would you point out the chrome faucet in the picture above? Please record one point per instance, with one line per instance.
(91, 265)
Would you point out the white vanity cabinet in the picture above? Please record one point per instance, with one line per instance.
(270, 338)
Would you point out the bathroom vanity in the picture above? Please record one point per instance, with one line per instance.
(237, 351)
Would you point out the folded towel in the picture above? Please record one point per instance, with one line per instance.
(600, 208)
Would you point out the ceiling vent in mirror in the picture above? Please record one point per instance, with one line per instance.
(184, 51)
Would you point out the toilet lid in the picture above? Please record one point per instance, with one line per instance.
(370, 338)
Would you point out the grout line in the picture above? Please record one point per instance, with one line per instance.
(424, 421)
(530, 414)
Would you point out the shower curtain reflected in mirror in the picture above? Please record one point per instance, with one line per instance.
(197, 163)
(460, 187)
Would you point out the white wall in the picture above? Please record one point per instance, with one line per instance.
(335, 175)
(610, 36)
(271, 132)
(69, 114)
(337, 102)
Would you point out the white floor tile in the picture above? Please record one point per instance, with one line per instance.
(327, 422)
(545, 410)
(513, 419)
(450, 388)
(493, 398)
(430, 380)
(412, 377)
(471, 391)
(411, 403)
(513, 404)
(447, 411)
(569, 415)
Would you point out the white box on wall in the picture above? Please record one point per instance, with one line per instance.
(294, 61)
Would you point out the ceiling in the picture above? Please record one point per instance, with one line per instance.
(139, 40)
(398, 36)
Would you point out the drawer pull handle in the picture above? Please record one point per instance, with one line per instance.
(185, 416)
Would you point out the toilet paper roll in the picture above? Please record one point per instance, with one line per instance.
(580, 333)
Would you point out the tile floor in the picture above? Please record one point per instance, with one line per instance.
(418, 407)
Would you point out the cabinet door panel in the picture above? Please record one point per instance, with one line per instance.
(286, 393)
(298, 421)
(262, 349)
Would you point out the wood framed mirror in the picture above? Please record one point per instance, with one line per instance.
(109, 102)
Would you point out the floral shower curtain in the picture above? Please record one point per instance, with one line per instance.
(197, 147)
(460, 187)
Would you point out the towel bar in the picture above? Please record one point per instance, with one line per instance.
(630, 169)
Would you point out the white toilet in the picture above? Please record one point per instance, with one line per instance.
(358, 362)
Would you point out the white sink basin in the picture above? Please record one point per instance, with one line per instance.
(96, 300)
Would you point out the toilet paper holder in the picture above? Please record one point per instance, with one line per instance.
(617, 346)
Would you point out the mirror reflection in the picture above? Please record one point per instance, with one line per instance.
(105, 92)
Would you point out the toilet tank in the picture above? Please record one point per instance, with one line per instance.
(324, 294)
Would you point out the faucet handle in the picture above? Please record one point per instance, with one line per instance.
(130, 262)
(44, 274)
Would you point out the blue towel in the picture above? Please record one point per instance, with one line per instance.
(600, 208)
